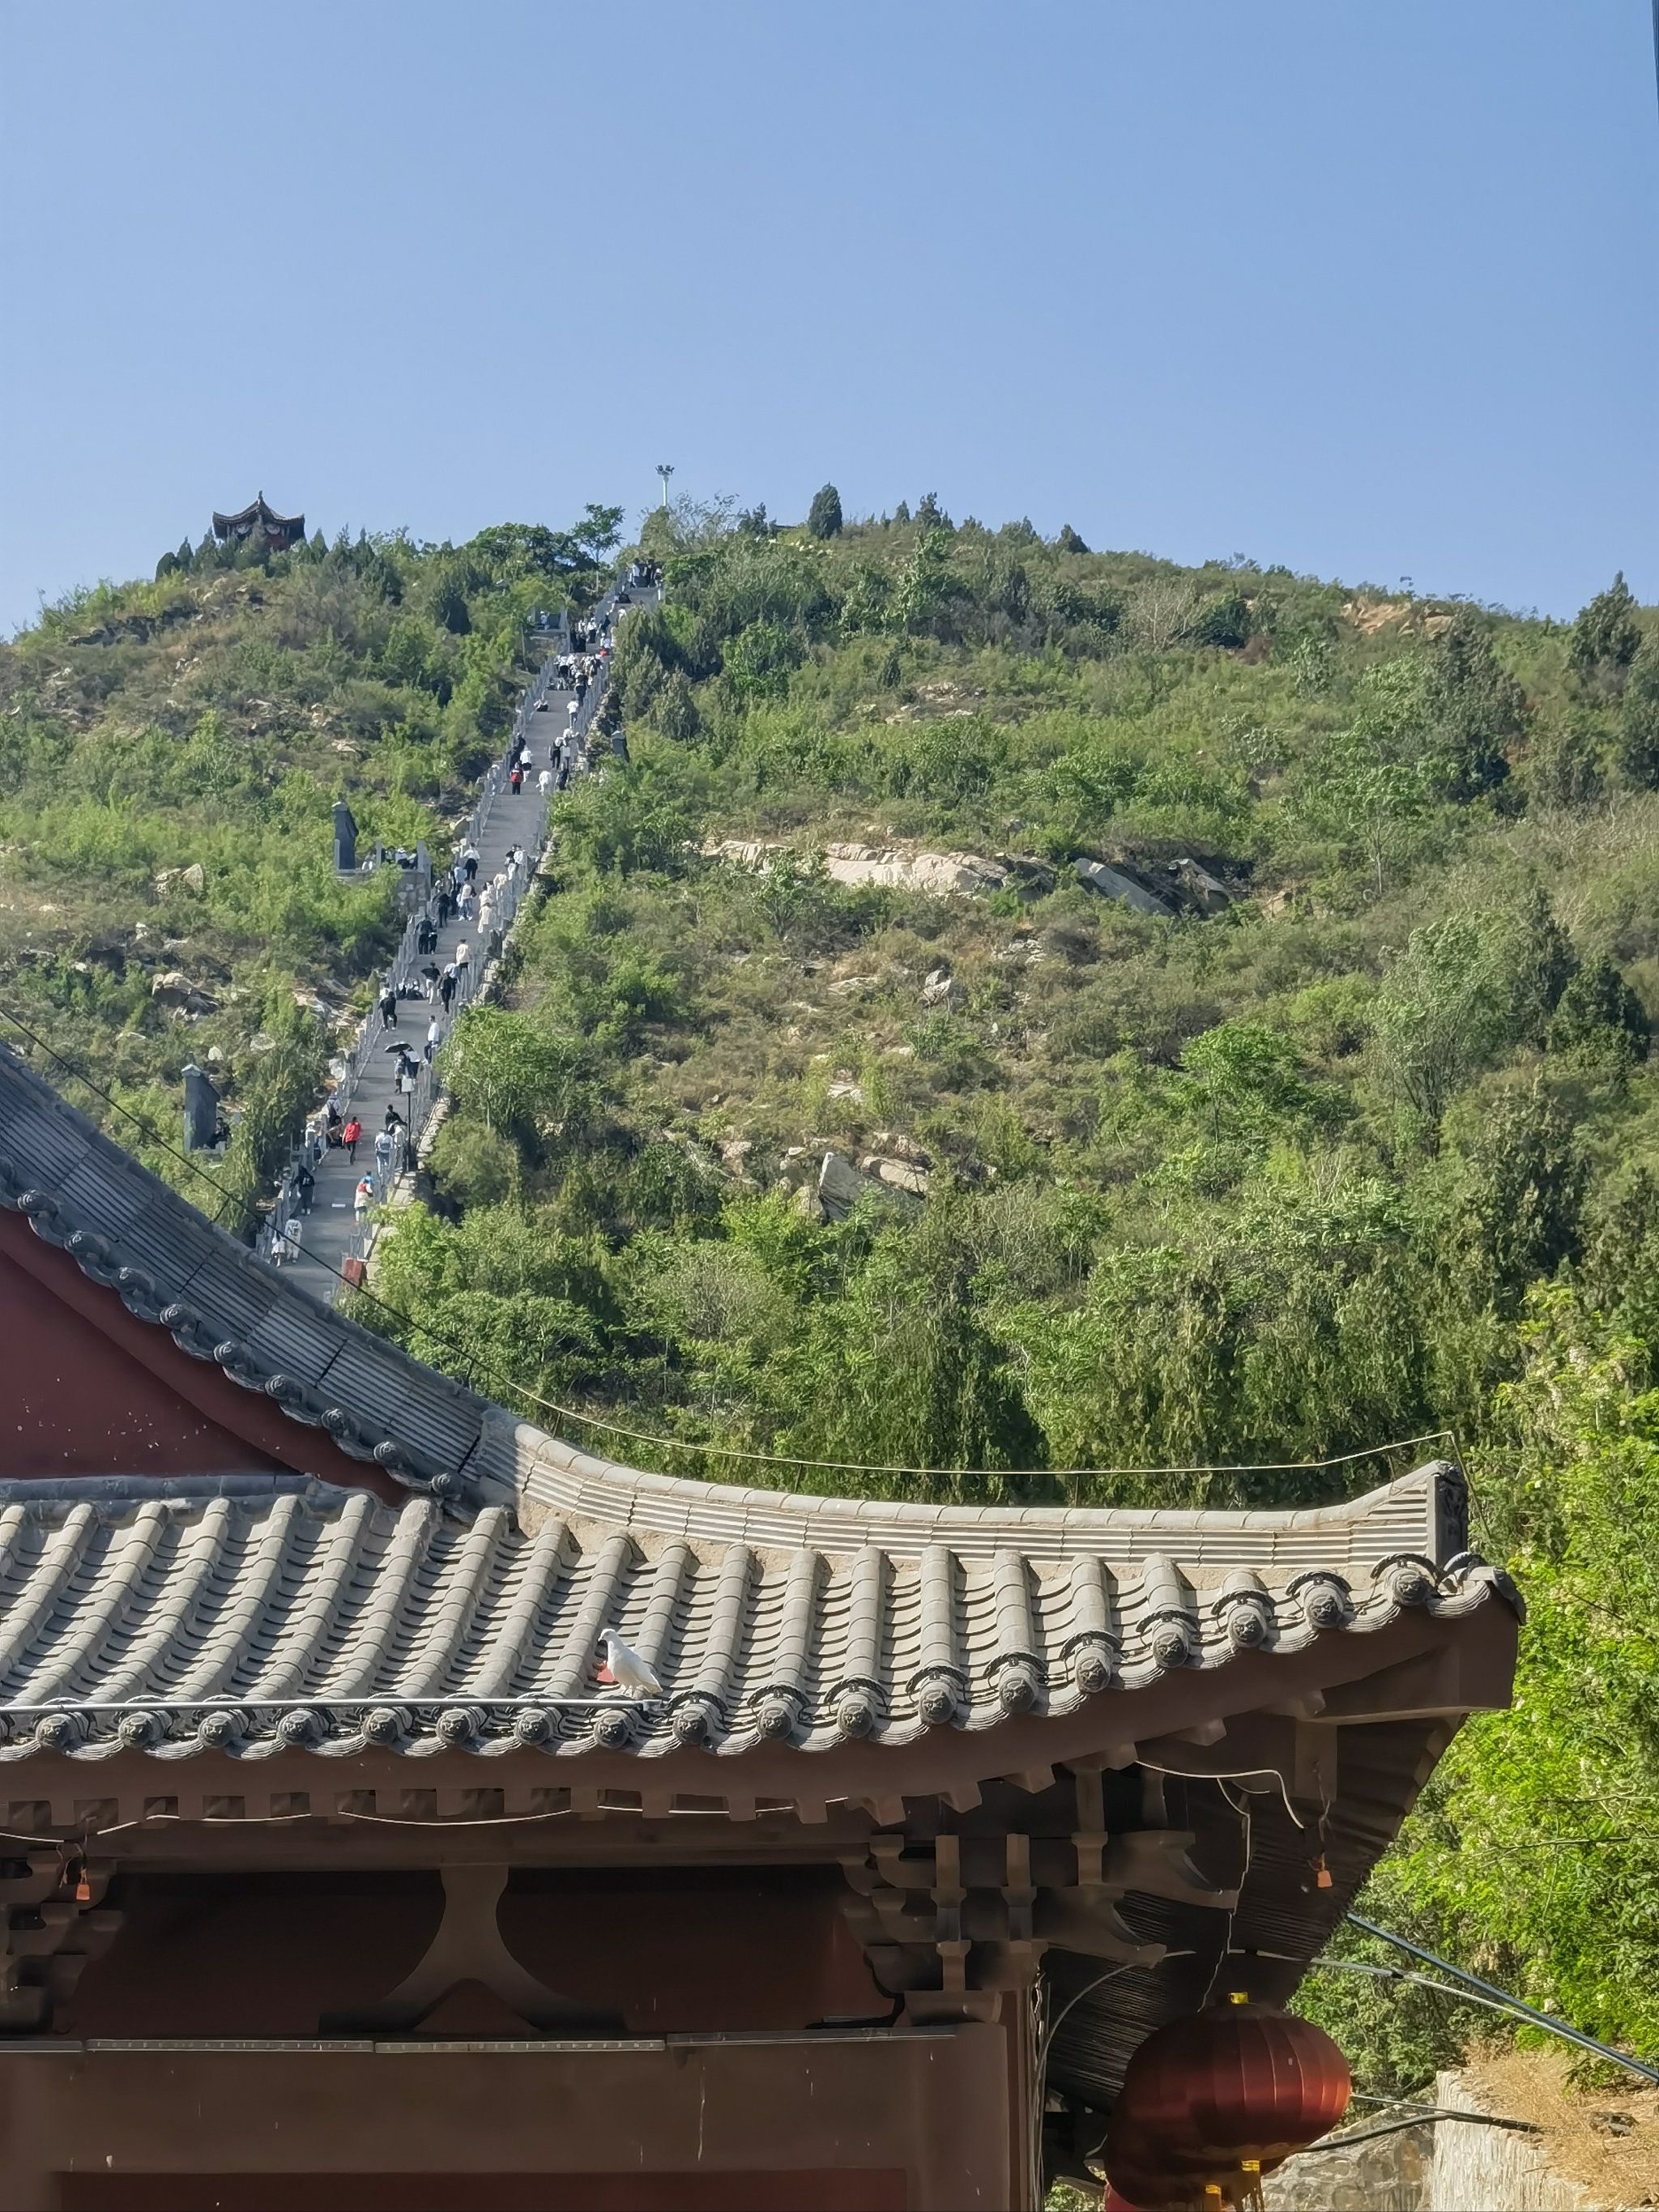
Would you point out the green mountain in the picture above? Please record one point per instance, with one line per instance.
(169, 755)
(1020, 1019)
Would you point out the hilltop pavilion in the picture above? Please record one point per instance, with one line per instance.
(261, 522)
(333, 1866)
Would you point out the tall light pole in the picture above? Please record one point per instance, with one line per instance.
(665, 469)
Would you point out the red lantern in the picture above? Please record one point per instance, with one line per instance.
(1222, 2099)
(1141, 2180)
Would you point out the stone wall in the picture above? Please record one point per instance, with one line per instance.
(1477, 2169)
(1390, 2173)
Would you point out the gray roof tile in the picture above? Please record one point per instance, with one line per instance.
(249, 1617)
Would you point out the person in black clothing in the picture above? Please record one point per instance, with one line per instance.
(304, 1184)
(446, 987)
(394, 1120)
(389, 1007)
(446, 908)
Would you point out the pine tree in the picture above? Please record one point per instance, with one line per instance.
(1478, 706)
(1600, 1018)
(901, 512)
(1606, 637)
(1637, 748)
(1068, 541)
(824, 516)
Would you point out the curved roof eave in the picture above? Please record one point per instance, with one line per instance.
(172, 1268)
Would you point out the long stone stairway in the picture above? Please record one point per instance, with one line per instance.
(331, 1234)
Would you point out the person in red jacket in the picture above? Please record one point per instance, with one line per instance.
(348, 1136)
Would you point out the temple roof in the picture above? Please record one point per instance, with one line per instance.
(257, 1614)
(254, 1613)
(258, 514)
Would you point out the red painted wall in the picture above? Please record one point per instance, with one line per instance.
(675, 1951)
(74, 1403)
(86, 1388)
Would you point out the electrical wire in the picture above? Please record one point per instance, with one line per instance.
(1507, 2007)
(145, 1128)
(1485, 1991)
(1242, 1809)
(471, 1360)
(1237, 1774)
(1421, 2116)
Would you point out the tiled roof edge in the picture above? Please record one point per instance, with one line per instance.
(44, 1143)
(27, 1187)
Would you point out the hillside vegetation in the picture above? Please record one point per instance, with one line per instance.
(1360, 1149)
(834, 1131)
(169, 755)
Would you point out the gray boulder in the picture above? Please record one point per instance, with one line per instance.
(1113, 884)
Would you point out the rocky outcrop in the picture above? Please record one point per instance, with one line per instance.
(191, 879)
(1114, 884)
(912, 871)
(1198, 888)
(944, 874)
(177, 995)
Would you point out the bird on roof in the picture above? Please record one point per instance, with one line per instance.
(625, 1669)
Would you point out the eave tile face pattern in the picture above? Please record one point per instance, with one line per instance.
(308, 1616)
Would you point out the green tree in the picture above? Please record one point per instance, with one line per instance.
(1600, 1018)
(1475, 707)
(599, 529)
(1523, 1196)
(1466, 989)
(1223, 621)
(929, 587)
(1368, 784)
(1636, 746)
(507, 1074)
(1533, 1849)
(1068, 540)
(903, 1369)
(449, 602)
(639, 814)
(1606, 638)
(824, 516)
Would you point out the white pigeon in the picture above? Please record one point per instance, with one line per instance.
(626, 1668)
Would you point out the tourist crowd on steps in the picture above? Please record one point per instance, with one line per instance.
(324, 1220)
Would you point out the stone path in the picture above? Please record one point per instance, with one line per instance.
(330, 1235)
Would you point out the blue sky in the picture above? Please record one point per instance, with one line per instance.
(1367, 290)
